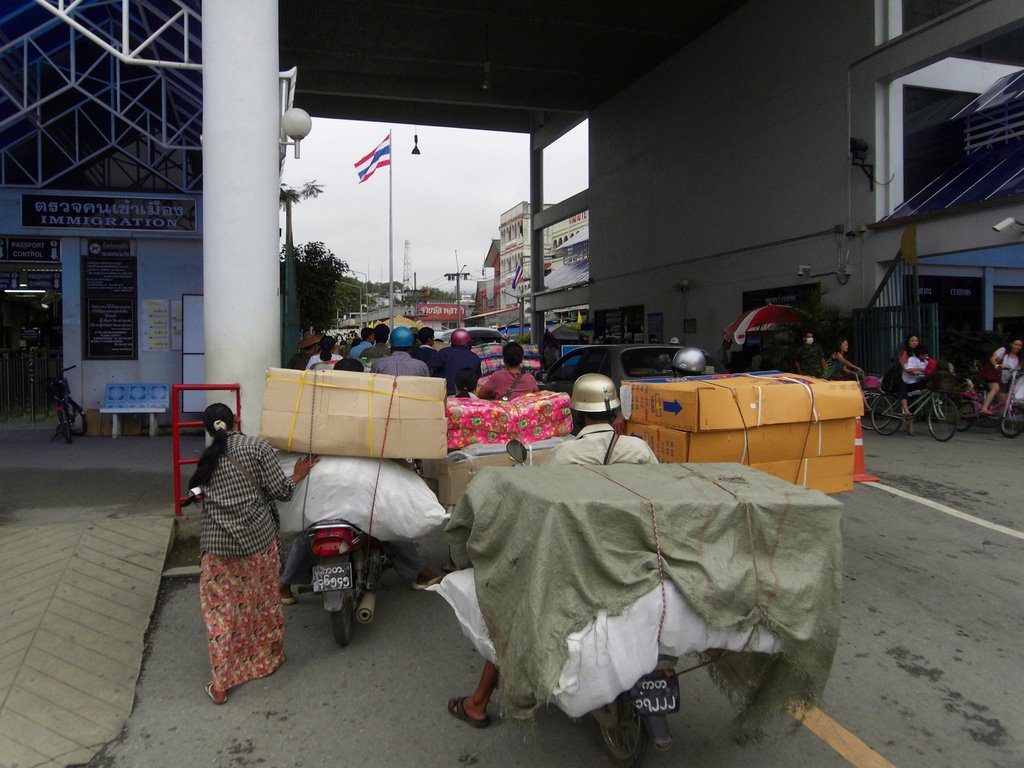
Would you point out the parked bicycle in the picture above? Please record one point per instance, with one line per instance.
(70, 415)
(871, 390)
(938, 408)
(970, 406)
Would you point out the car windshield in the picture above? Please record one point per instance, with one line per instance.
(648, 361)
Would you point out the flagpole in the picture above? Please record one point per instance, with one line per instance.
(391, 238)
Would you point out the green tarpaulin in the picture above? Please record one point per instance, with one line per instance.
(552, 546)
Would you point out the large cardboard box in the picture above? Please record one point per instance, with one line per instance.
(351, 414)
(739, 402)
(828, 474)
(453, 477)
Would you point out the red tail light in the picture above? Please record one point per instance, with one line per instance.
(332, 541)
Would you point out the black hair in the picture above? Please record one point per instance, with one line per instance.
(381, 333)
(512, 354)
(602, 416)
(466, 380)
(348, 364)
(366, 333)
(326, 347)
(211, 456)
(425, 334)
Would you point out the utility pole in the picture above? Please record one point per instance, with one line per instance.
(458, 277)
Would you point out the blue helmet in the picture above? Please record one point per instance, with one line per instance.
(401, 338)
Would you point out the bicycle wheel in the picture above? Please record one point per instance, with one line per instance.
(967, 412)
(1012, 423)
(63, 425)
(79, 424)
(943, 417)
(886, 414)
(870, 395)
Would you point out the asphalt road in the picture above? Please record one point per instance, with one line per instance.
(928, 672)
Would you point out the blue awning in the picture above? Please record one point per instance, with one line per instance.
(992, 172)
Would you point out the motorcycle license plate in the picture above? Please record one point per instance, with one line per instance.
(656, 693)
(328, 578)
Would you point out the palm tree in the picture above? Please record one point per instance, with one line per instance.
(290, 330)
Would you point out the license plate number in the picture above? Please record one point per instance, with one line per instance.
(328, 578)
(656, 693)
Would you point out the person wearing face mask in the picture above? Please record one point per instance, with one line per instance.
(810, 358)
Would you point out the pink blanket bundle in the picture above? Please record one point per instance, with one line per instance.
(530, 418)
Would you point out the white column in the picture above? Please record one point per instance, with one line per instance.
(241, 181)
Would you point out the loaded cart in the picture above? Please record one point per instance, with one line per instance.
(585, 585)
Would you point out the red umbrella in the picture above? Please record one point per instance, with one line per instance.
(754, 322)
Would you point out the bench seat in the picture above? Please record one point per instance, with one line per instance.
(130, 397)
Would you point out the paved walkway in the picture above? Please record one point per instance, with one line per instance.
(86, 528)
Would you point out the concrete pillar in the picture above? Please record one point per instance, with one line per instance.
(241, 183)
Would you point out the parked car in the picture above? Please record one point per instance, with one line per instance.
(617, 361)
(478, 335)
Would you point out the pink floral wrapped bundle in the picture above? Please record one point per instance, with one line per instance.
(529, 418)
(477, 421)
(541, 415)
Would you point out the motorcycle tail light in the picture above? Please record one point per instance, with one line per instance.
(328, 542)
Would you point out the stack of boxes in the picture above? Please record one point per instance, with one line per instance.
(798, 428)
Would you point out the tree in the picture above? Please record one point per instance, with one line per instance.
(317, 274)
(290, 325)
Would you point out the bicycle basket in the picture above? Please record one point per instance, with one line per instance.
(942, 381)
(56, 389)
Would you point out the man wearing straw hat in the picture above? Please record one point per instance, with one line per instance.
(307, 347)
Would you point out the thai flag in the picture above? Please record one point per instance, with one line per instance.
(380, 157)
(517, 276)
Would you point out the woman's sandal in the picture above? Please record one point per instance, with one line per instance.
(217, 697)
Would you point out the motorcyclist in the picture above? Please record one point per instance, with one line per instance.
(594, 398)
(450, 360)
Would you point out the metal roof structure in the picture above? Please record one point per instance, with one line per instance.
(101, 94)
(107, 94)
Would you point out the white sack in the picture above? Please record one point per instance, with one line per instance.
(342, 486)
(610, 653)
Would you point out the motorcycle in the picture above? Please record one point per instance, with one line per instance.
(347, 568)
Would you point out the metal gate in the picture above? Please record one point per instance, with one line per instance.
(895, 312)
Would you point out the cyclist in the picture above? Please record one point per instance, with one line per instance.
(915, 378)
(1005, 360)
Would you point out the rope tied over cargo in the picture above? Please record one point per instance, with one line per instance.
(657, 542)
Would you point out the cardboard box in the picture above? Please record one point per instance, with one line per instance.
(739, 402)
(671, 446)
(453, 477)
(829, 474)
(350, 413)
(98, 424)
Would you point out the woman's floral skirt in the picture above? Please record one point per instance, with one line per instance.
(243, 614)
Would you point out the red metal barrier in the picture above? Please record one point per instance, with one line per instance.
(177, 425)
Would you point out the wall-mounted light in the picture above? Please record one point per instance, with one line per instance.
(859, 156)
(296, 125)
(1009, 223)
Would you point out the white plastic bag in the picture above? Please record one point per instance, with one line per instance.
(343, 486)
(610, 653)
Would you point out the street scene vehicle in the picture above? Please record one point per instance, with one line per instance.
(1012, 422)
(616, 361)
(70, 415)
(347, 568)
(478, 336)
(938, 408)
(659, 618)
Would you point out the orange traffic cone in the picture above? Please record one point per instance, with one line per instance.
(860, 473)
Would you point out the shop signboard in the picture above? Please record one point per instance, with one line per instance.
(439, 311)
(30, 249)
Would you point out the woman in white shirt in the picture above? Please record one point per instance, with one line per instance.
(325, 360)
(1006, 360)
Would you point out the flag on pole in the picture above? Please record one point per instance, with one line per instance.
(378, 158)
(517, 276)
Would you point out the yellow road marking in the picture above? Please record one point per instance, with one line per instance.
(848, 746)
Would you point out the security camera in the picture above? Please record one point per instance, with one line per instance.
(803, 269)
(1005, 224)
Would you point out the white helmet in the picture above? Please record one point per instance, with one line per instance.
(689, 360)
(594, 393)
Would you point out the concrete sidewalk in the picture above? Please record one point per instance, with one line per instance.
(86, 529)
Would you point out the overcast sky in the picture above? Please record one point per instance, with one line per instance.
(447, 199)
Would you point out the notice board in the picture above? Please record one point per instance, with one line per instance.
(109, 286)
